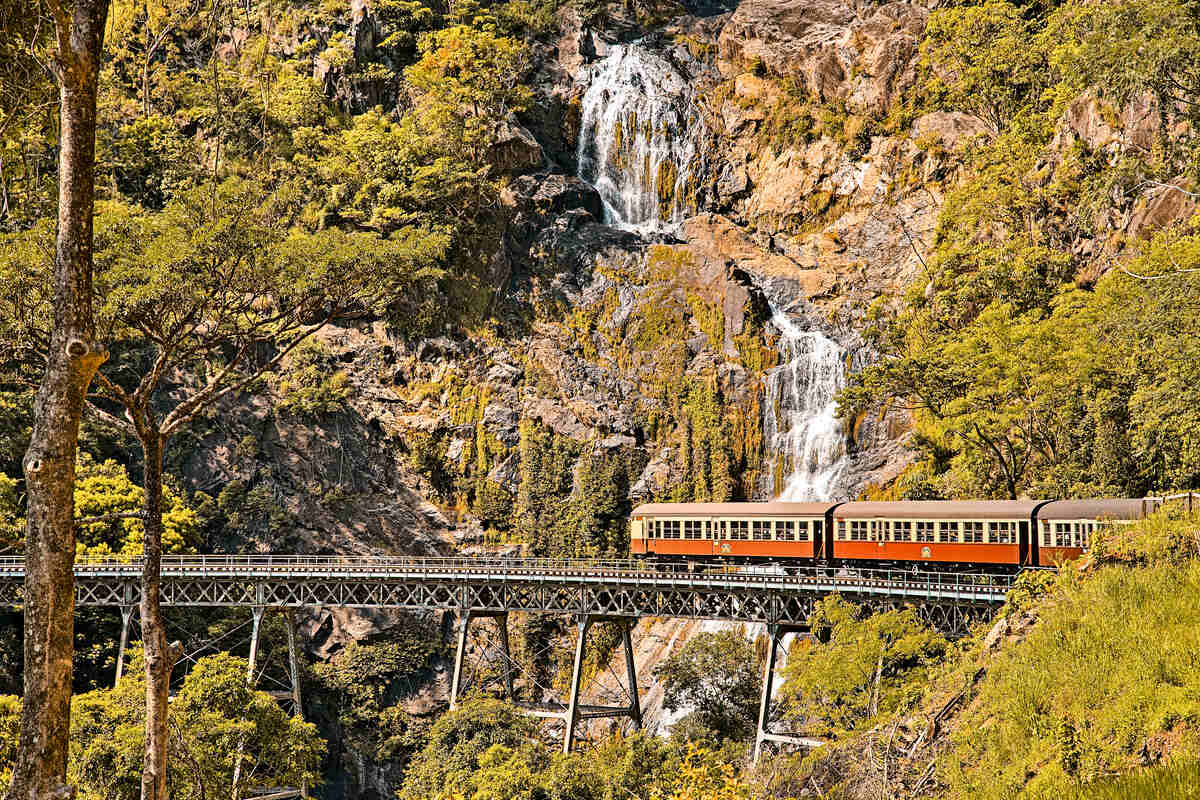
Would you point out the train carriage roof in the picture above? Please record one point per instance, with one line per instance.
(771, 509)
(939, 509)
(1099, 508)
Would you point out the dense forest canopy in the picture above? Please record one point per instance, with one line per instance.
(1041, 356)
(266, 169)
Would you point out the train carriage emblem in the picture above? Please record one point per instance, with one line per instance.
(926, 552)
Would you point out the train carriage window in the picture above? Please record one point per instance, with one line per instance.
(785, 530)
(972, 532)
(722, 529)
(670, 529)
(692, 529)
(1002, 532)
(925, 531)
(1062, 534)
(761, 529)
(739, 529)
(841, 530)
(947, 531)
(902, 531)
(803, 530)
(858, 530)
(1046, 540)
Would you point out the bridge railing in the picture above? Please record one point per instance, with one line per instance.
(502, 567)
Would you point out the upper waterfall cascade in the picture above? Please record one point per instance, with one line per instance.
(800, 424)
(640, 139)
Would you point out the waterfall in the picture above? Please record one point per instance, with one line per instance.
(800, 425)
(640, 140)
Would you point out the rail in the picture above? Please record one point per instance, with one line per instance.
(498, 568)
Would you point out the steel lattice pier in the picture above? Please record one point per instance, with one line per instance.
(619, 592)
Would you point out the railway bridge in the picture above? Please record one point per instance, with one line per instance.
(589, 592)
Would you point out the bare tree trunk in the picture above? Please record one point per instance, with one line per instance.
(159, 658)
(41, 765)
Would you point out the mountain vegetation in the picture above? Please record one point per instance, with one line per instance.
(315, 275)
(1040, 358)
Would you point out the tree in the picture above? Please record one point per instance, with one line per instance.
(73, 356)
(214, 288)
(466, 84)
(457, 744)
(199, 301)
(861, 672)
(212, 713)
(982, 59)
(716, 675)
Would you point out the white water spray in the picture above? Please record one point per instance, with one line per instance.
(800, 423)
(640, 140)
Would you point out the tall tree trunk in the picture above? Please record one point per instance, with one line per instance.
(159, 658)
(41, 765)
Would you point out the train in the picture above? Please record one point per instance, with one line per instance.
(951, 535)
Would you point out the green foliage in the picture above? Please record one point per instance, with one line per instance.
(570, 501)
(458, 743)
(308, 385)
(10, 734)
(1177, 780)
(1171, 536)
(360, 690)
(149, 160)
(103, 489)
(1024, 378)
(869, 667)
(486, 750)
(983, 58)
(1103, 681)
(214, 717)
(463, 68)
(718, 677)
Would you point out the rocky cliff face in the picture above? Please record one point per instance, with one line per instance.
(693, 187)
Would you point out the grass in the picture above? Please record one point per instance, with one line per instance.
(1107, 682)
(1179, 780)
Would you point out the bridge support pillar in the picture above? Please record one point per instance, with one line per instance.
(572, 717)
(502, 628)
(775, 634)
(462, 629)
(635, 704)
(576, 710)
(294, 673)
(256, 627)
(293, 662)
(126, 617)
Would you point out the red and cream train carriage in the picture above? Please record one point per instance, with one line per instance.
(985, 534)
(946, 532)
(754, 531)
(1066, 527)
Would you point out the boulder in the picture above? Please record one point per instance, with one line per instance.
(514, 150)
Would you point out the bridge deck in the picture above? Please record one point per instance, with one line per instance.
(597, 588)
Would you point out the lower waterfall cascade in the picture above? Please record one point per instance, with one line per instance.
(803, 435)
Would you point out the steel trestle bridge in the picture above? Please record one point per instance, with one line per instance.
(590, 591)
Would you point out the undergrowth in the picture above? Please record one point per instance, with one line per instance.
(1104, 684)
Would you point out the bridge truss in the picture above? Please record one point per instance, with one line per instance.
(589, 592)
